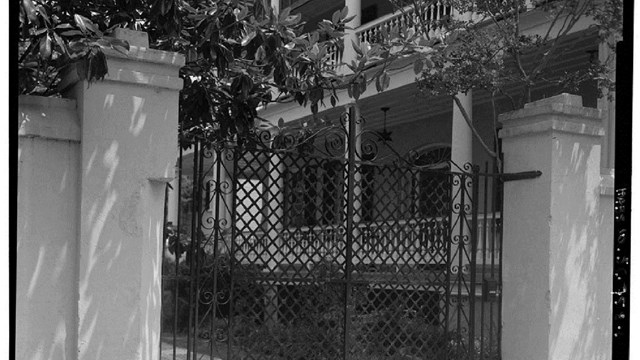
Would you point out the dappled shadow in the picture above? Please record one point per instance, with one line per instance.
(48, 194)
(90, 224)
(557, 251)
(581, 259)
(121, 222)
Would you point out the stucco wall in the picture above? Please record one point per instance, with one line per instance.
(48, 194)
(129, 136)
(558, 244)
(91, 186)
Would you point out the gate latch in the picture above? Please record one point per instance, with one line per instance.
(490, 289)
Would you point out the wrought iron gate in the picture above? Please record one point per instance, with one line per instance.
(327, 244)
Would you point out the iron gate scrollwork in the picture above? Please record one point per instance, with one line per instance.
(328, 244)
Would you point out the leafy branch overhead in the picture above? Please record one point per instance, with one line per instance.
(484, 48)
(240, 54)
(51, 39)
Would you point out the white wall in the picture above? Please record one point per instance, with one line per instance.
(557, 254)
(91, 185)
(48, 194)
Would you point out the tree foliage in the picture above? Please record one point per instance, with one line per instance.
(484, 48)
(239, 54)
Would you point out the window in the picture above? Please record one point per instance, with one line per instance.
(314, 194)
(432, 185)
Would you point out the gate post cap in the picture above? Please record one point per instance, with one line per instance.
(563, 113)
(564, 98)
(134, 38)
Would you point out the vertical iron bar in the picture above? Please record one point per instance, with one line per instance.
(197, 195)
(460, 274)
(351, 141)
(484, 257)
(216, 239)
(474, 247)
(495, 190)
(448, 248)
(164, 249)
(233, 171)
(192, 249)
(177, 249)
(499, 188)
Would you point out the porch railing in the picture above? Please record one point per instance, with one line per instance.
(433, 15)
(398, 242)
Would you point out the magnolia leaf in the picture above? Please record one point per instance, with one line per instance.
(344, 13)
(395, 49)
(247, 38)
(314, 37)
(32, 14)
(85, 24)
(355, 91)
(121, 49)
(315, 50)
(428, 62)
(365, 47)
(260, 53)
(356, 47)
(410, 33)
(243, 13)
(45, 47)
(284, 14)
(335, 18)
(452, 37)
(61, 44)
(71, 33)
(347, 19)
(119, 42)
(81, 22)
(292, 20)
(386, 79)
(418, 65)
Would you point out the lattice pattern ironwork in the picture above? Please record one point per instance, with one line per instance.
(302, 248)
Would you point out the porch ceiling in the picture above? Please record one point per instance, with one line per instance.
(407, 104)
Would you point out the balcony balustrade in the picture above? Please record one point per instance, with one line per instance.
(434, 16)
(401, 242)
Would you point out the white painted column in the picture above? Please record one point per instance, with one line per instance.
(461, 133)
(557, 265)
(275, 5)
(355, 9)
(128, 153)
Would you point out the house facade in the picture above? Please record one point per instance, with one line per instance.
(410, 229)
